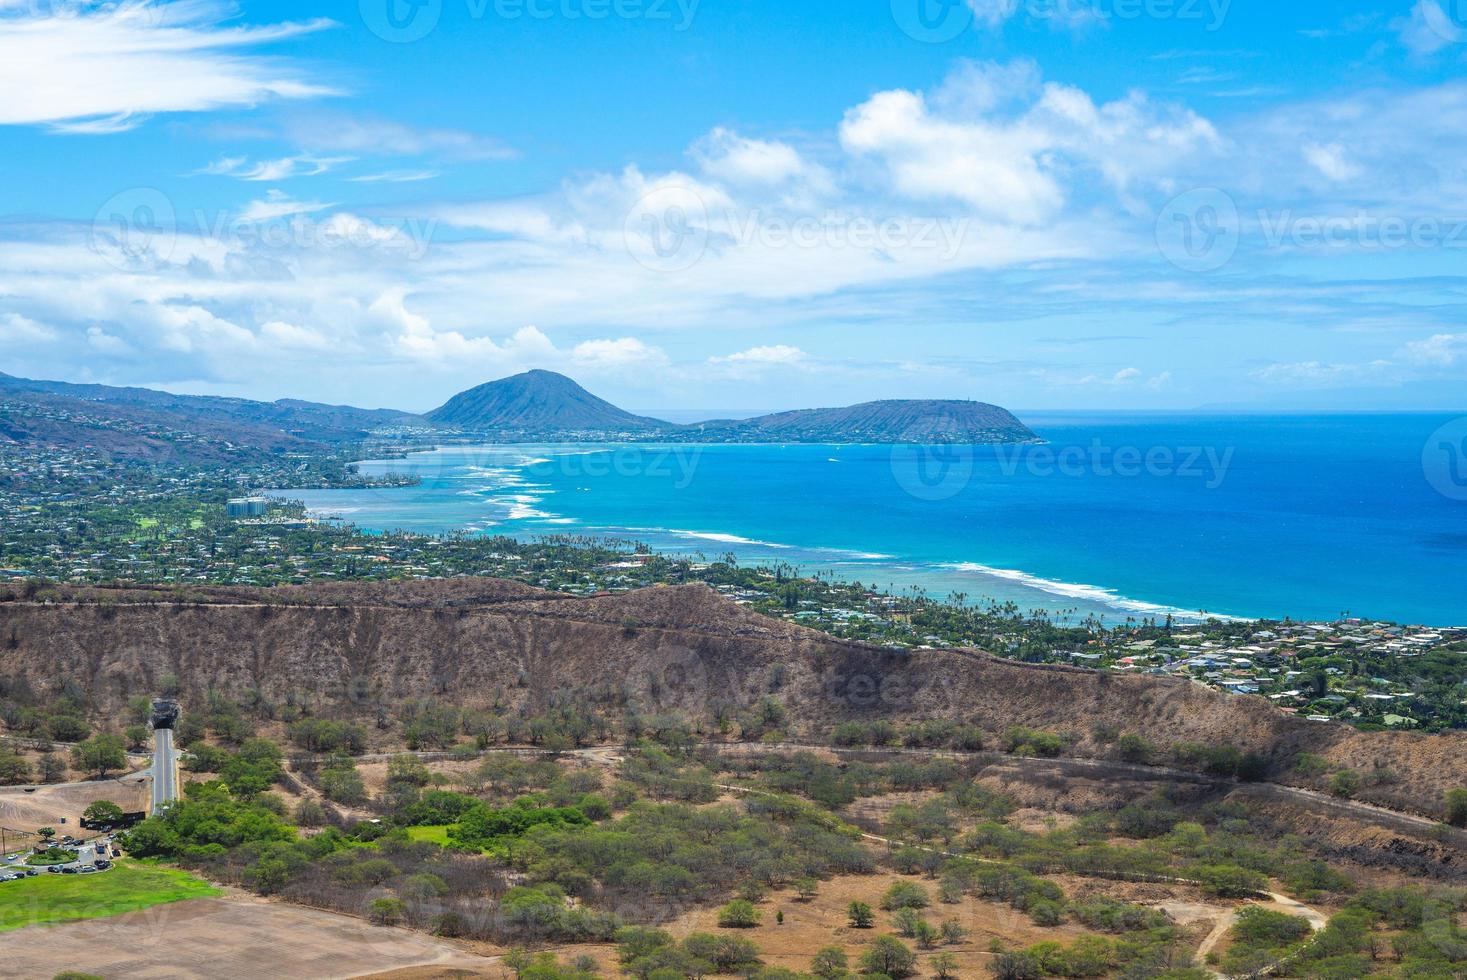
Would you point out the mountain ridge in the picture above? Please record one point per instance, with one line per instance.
(543, 401)
(531, 406)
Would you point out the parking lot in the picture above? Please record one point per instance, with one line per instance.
(93, 856)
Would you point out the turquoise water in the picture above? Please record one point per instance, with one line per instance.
(1304, 516)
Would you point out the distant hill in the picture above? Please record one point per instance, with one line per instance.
(545, 404)
(538, 401)
(141, 423)
(878, 422)
(157, 426)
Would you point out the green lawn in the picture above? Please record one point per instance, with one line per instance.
(51, 898)
(434, 835)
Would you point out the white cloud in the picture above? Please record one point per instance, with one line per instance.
(1332, 161)
(103, 342)
(395, 177)
(367, 136)
(616, 355)
(291, 337)
(273, 170)
(277, 204)
(965, 143)
(1441, 350)
(729, 157)
(17, 329)
(775, 354)
(86, 67)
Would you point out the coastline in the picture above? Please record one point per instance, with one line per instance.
(1066, 601)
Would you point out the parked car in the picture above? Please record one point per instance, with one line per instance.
(88, 870)
(103, 865)
(30, 872)
(69, 870)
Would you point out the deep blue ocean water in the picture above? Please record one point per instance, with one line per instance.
(1303, 516)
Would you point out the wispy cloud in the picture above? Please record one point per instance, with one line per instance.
(272, 170)
(92, 68)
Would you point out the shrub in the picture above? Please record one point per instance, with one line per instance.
(13, 769)
(1230, 881)
(889, 956)
(386, 911)
(830, 963)
(1134, 749)
(860, 915)
(1345, 783)
(1457, 808)
(905, 895)
(739, 914)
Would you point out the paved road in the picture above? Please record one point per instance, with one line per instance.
(165, 769)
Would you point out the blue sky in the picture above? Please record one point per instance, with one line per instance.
(756, 204)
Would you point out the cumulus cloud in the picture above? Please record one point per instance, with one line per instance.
(1441, 350)
(17, 329)
(89, 67)
(1010, 151)
(729, 157)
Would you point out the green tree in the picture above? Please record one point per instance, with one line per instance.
(103, 812)
(1345, 783)
(861, 915)
(13, 769)
(100, 754)
(739, 914)
(136, 737)
(905, 895)
(52, 768)
(1457, 808)
(830, 963)
(944, 966)
(889, 956)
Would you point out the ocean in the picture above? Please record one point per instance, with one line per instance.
(1113, 515)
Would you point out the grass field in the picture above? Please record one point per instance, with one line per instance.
(67, 898)
(434, 835)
